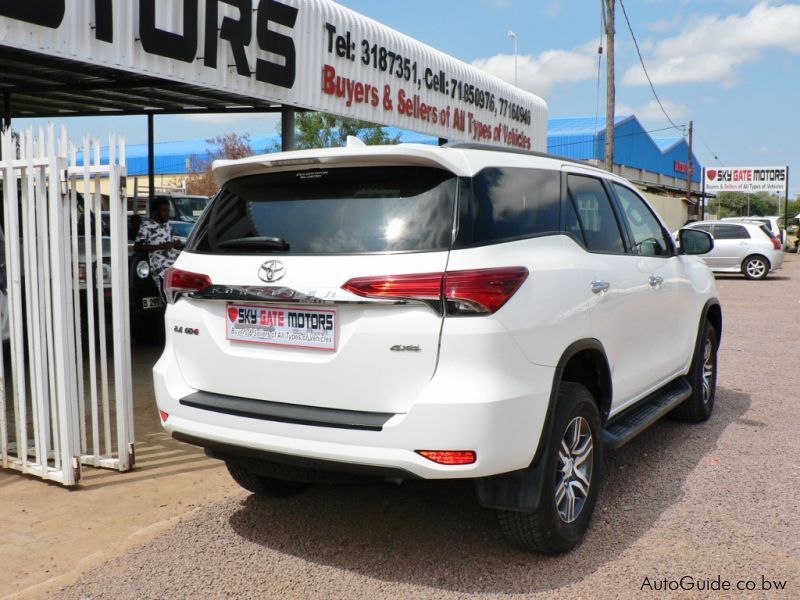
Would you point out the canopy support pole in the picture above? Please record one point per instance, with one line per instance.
(287, 129)
(151, 161)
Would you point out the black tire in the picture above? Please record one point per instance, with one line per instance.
(261, 485)
(548, 528)
(703, 377)
(755, 267)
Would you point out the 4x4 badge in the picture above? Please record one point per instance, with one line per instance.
(272, 270)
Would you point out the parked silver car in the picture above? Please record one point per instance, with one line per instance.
(745, 247)
(773, 224)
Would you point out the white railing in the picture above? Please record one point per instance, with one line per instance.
(60, 284)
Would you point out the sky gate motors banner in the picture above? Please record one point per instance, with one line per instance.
(312, 54)
(747, 179)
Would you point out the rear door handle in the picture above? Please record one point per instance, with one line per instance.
(656, 281)
(599, 287)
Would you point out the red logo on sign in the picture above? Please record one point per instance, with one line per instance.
(712, 174)
(233, 314)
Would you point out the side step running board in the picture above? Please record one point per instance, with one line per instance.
(622, 428)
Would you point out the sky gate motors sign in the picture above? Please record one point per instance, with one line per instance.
(747, 179)
(307, 53)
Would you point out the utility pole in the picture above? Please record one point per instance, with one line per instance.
(689, 171)
(610, 91)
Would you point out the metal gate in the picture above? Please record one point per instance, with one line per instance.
(69, 399)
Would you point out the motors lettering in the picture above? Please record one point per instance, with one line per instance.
(279, 318)
(183, 45)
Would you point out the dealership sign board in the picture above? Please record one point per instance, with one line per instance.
(312, 54)
(747, 179)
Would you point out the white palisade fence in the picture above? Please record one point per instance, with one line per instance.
(69, 399)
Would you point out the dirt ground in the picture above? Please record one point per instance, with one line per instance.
(49, 534)
(708, 501)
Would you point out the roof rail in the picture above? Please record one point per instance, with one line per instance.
(474, 146)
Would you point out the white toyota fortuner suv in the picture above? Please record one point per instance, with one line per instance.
(434, 312)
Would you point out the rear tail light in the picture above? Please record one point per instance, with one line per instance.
(164, 415)
(776, 243)
(177, 282)
(449, 457)
(474, 292)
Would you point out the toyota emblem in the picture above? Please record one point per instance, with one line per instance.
(272, 270)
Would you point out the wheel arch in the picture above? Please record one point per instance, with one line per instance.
(756, 255)
(585, 362)
(712, 311)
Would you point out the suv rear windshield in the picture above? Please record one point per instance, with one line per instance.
(333, 211)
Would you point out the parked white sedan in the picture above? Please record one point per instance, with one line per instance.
(748, 248)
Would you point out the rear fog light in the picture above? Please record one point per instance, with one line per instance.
(449, 457)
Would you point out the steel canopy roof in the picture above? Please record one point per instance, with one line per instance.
(35, 85)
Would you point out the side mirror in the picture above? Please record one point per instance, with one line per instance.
(695, 241)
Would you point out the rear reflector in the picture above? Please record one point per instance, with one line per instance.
(449, 457)
(474, 292)
(164, 416)
(177, 282)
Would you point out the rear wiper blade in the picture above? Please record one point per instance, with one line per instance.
(256, 242)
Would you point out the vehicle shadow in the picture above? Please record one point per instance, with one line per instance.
(740, 277)
(434, 533)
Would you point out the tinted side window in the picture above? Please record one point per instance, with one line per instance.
(571, 225)
(730, 232)
(600, 228)
(648, 236)
(513, 203)
(767, 231)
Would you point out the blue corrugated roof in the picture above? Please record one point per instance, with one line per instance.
(581, 138)
(584, 138)
(172, 158)
(581, 125)
(666, 143)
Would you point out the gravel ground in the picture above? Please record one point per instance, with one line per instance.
(713, 500)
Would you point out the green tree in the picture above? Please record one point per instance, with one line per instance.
(324, 130)
(227, 146)
(737, 204)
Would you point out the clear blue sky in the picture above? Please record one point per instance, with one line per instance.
(732, 66)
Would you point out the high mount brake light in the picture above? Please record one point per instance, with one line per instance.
(177, 282)
(473, 292)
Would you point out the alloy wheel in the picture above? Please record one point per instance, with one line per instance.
(574, 470)
(756, 268)
(708, 370)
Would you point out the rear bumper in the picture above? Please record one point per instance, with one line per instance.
(473, 406)
(776, 260)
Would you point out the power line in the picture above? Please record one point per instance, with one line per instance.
(714, 154)
(646, 74)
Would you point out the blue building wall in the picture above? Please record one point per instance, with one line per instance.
(584, 138)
